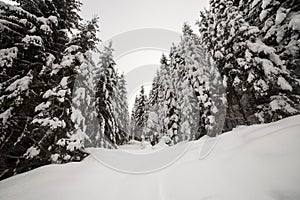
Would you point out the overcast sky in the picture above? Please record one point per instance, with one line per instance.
(118, 16)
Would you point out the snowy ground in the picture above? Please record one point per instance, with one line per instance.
(258, 162)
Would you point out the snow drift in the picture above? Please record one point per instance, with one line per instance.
(256, 162)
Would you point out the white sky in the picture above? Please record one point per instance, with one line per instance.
(118, 16)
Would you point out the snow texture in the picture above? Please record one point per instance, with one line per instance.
(61, 93)
(263, 14)
(284, 84)
(281, 15)
(256, 162)
(6, 115)
(53, 19)
(52, 123)
(19, 86)
(46, 29)
(64, 81)
(33, 40)
(254, 3)
(280, 103)
(32, 152)
(267, 66)
(266, 3)
(42, 106)
(295, 22)
(7, 56)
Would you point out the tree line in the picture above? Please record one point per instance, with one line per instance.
(255, 51)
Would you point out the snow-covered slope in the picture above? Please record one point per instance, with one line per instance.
(258, 162)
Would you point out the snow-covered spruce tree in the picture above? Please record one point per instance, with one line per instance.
(162, 108)
(163, 105)
(198, 84)
(279, 25)
(22, 58)
(155, 129)
(171, 107)
(107, 96)
(153, 94)
(258, 84)
(84, 115)
(206, 82)
(18, 72)
(133, 119)
(57, 125)
(122, 114)
(188, 111)
(194, 76)
(152, 127)
(139, 115)
(213, 36)
(36, 85)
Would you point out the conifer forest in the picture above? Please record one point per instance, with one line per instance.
(62, 93)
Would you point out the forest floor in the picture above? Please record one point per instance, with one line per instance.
(255, 162)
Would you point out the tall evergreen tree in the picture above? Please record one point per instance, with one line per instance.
(172, 112)
(198, 84)
(84, 115)
(162, 108)
(152, 128)
(122, 114)
(133, 119)
(37, 76)
(111, 102)
(139, 115)
(105, 92)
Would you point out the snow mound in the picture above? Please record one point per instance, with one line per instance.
(256, 162)
(132, 146)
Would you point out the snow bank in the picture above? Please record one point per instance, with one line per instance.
(256, 162)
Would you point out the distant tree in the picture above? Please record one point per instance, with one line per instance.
(106, 88)
(152, 126)
(139, 114)
(133, 120)
(122, 113)
(153, 94)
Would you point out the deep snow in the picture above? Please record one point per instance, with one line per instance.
(257, 162)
